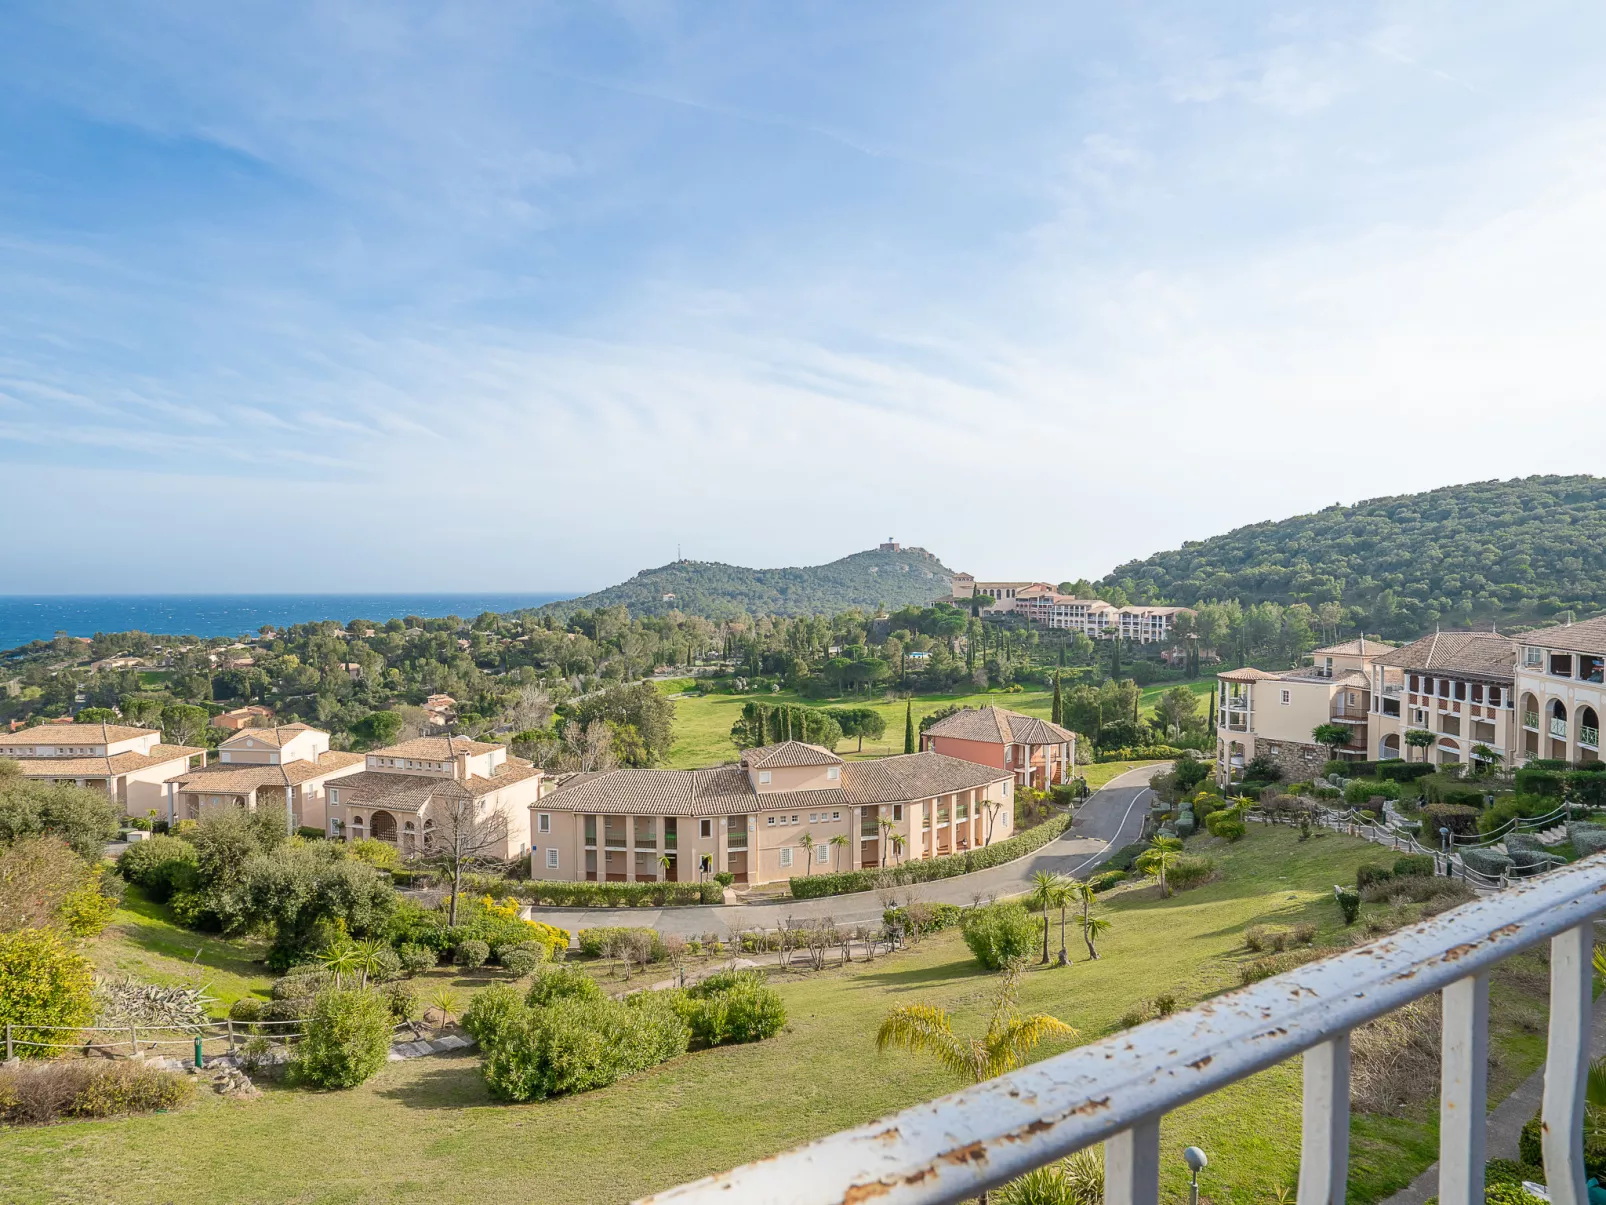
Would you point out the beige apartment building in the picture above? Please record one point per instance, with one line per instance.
(129, 764)
(404, 793)
(265, 768)
(1041, 603)
(1272, 715)
(1560, 692)
(1456, 685)
(782, 810)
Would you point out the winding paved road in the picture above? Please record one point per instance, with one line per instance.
(1112, 817)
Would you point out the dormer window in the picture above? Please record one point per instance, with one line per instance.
(763, 777)
(833, 773)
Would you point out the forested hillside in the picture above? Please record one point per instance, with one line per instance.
(912, 577)
(1515, 552)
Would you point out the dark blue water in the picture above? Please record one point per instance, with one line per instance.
(24, 617)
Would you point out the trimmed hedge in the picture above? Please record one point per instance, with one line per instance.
(1404, 771)
(1486, 861)
(621, 895)
(1141, 753)
(1409, 865)
(930, 869)
(1534, 779)
(1458, 818)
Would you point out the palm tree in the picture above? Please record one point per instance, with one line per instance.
(1485, 759)
(1072, 892)
(445, 1003)
(341, 961)
(807, 842)
(927, 1029)
(841, 842)
(1093, 928)
(886, 833)
(897, 842)
(1331, 735)
(368, 956)
(1045, 894)
(1165, 854)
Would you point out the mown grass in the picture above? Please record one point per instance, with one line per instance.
(425, 1131)
(703, 723)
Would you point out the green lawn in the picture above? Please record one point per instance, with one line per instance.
(424, 1131)
(703, 723)
(143, 940)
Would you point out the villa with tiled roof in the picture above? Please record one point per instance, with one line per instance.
(1456, 685)
(1561, 696)
(129, 764)
(750, 818)
(1036, 753)
(265, 768)
(402, 791)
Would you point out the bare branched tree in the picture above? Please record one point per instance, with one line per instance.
(586, 749)
(465, 832)
(531, 708)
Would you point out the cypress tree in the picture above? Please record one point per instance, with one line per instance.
(909, 726)
(1057, 714)
(759, 719)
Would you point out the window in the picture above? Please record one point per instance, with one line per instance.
(834, 773)
(334, 795)
(772, 821)
(1533, 656)
(1494, 696)
(763, 777)
(786, 857)
(1287, 697)
(814, 817)
(1416, 683)
(1477, 692)
(836, 815)
(897, 811)
(1461, 690)
(794, 817)
(1427, 686)
(705, 828)
(552, 857)
(543, 823)
(822, 854)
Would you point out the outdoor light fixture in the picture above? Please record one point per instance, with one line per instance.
(1195, 1159)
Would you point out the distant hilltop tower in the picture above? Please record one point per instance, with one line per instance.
(890, 546)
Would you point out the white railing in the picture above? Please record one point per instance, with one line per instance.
(1117, 1090)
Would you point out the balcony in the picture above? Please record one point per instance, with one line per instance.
(1530, 719)
(1588, 737)
(1117, 1090)
(1558, 728)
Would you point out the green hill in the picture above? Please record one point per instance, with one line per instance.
(1514, 552)
(716, 591)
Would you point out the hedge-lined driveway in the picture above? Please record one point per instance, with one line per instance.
(1111, 817)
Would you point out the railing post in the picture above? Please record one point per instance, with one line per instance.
(1561, 1136)
(1132, 1165)
(1324, 1137)
(1464, 1090)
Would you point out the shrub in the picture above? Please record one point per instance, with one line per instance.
(401, 998)
(1535, 779)
(471, 953)
(1124, 857)
(724, 878)
(347, 1039)
(43, 982)
(1586, 838)
(595, 942)
(44, 1092)
(577, 1043)
(490, 1012)
(1226, 825)
(562, 983)
(297, 1009)
(999, 934)
(387, 965)
(246, 1008)
(1106, 880)
(1458, 818)
(1594, 1149)
(1190, 871)
(300, 984)
(1368, 873)
(1486, 862)
(519, 961)
(416, 959)
(1404, 771)
(733, 1007)
(928, 870)
(613, 895)
(1304, 934)
(1349, 903)
(161, 865)
(1409, 865)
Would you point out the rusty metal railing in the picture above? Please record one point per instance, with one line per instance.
(1116, 1090)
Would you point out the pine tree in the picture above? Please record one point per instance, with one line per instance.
(760, 726)
(1056, 714)
(909, 726)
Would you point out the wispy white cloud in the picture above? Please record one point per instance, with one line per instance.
(563, 289)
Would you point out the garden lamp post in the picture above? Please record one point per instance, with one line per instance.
(1195, 1159)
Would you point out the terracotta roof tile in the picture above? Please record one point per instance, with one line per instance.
(237, 776)
(117, 763)
(997, 726)
(1478, 654)
(789, 753)
(1589, 636)
(70, 734)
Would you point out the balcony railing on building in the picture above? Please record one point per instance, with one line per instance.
(1589, 737)
(1116, 1091)
(1558, 728)
(1530, 719)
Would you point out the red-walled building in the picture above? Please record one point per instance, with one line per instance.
(1038, 753)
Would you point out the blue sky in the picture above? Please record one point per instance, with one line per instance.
(382, 296)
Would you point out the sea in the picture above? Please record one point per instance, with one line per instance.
(28, 617)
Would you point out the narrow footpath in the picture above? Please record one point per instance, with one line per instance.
(1111, 817)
